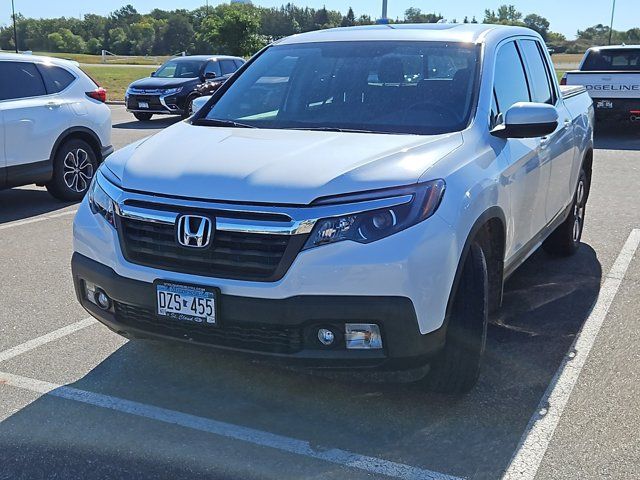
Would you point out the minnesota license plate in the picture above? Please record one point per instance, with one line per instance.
(143, 105)
(604, 104)
(187, 303)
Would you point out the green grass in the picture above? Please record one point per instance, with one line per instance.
(92, 59)
(116, 79)
(559, 74)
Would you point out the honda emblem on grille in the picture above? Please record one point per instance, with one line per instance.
(194, 231)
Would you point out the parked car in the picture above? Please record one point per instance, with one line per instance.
(611, 75)
(172, 88)
(54, 125)
(326, 207)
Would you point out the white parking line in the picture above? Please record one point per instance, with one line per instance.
(227, 430)
(37, 219)
(535, 441)
(49, 337)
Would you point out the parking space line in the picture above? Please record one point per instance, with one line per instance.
(542, 425)
(49, 337)
(18, 223)
(236, 432)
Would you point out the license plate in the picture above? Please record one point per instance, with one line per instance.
(188, 303)
(604, 104)
(143, 105)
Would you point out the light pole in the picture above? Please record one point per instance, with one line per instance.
(613, 10)
(383, 20)
(15, 31)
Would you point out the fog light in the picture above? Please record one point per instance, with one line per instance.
(326, 336)
(362, 336)
(102, 299)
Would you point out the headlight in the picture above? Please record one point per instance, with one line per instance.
(101, 203)
(369, 226)
(171, 91)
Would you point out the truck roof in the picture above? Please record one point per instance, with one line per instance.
(615, 47)
(444, 32)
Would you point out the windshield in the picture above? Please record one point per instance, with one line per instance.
(384, 87)
(180, 69)
(622, 59)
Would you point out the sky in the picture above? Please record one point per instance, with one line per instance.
(566, 16)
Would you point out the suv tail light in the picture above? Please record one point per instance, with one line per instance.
(99, 94)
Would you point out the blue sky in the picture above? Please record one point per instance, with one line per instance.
(566, 16)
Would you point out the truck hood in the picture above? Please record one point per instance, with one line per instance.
(274, 166)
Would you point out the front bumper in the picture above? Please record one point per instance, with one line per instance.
(157, 104)
(284, 329)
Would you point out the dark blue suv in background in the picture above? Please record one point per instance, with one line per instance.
(172, 88)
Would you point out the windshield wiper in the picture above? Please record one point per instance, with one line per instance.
(338, 129)
(219, 122)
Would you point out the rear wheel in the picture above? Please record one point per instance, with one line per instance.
(74, 165)
(142, 116)
(565, 239)
(457, 367)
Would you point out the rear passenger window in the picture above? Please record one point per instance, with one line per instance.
(538, 75)
(212, 67)
(56, 79)
(20, 80)
(227, 66)
(238, 63)
(510, 83)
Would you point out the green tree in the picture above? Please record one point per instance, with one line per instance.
(234, 29)
(537, 23)
(415, 15)
(177, 35)
(349, 20)
(143, 36)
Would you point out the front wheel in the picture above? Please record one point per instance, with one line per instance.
(457, 368)
(142, 116)
(565, 239)
(74, 165)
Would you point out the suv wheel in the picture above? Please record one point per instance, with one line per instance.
(142, 116)
(457, 367)
(74, 165)
(565, 239)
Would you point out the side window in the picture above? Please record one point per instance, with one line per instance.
(227, 66)
(238, 63)
(212, 66)
(56, 79)
(538, 73)
(510, 83)
(20, 80)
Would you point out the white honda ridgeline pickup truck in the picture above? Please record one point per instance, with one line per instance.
(352, 197)
(611, 75)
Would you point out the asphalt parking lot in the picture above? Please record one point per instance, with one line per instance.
(78, 401)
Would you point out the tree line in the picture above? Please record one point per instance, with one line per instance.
(242, 29)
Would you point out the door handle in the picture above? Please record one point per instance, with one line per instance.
(567, 122)
(53, 104)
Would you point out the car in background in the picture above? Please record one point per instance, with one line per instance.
(611, 75)
(54, 125)
(172, 88)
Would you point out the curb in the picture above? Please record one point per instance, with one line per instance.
(115, 102)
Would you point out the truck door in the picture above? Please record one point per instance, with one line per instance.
(558, 149)
(525, 178)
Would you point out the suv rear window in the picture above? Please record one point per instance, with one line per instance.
(612, 59)
(56, 79)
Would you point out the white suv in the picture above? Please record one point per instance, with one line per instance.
(54, 125)
(353, 198)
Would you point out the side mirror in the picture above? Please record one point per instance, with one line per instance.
(153, 74)
(199, 102)
(209, 75)
(527, 120)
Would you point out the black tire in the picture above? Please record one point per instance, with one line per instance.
(456, 369)
(565, 239)
(142, 116)
(74, 165)
(188, 107)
